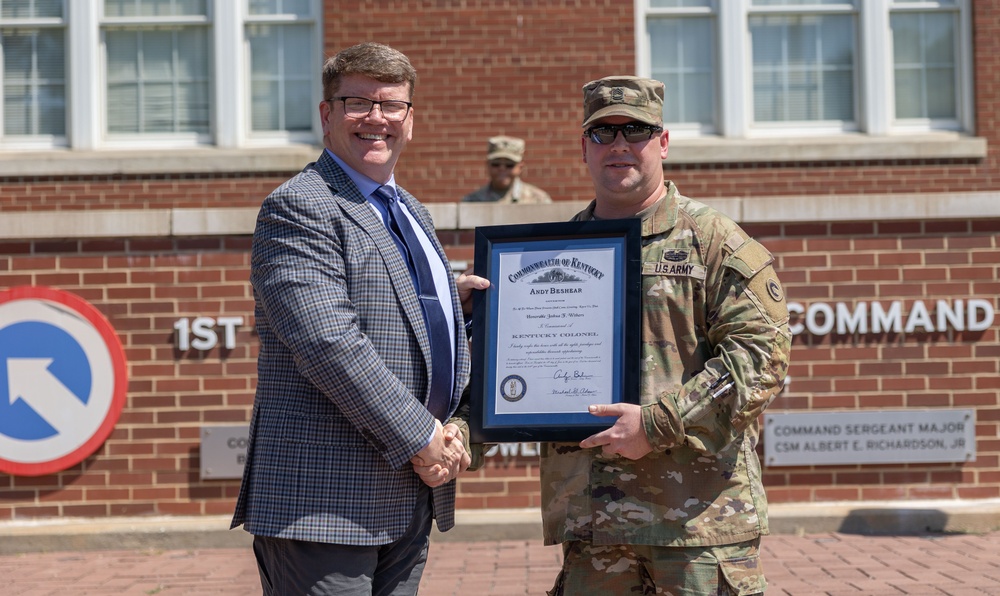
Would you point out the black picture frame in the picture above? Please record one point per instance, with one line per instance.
(620, 238)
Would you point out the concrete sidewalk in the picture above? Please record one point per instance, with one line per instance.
(856, 549)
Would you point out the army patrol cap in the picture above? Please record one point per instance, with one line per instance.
(637, 98)
(501, 147)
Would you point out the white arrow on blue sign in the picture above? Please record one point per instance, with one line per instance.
(63, 380)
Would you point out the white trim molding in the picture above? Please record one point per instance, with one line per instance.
(188, 222)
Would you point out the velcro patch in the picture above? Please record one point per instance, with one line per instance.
(749, 258)
(735, 241)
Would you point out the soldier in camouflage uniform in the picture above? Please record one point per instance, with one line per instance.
(504, 164)
(669, 500)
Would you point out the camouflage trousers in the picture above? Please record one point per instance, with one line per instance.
(729, 570)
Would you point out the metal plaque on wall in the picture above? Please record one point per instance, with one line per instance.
(223, 451)
(869, 437)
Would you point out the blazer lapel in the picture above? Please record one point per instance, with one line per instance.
(356, 207)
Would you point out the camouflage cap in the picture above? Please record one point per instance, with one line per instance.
(637, 98)
(501, 147)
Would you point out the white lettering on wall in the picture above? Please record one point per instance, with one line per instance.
(205, 335)
(507, 450)
(819, 318)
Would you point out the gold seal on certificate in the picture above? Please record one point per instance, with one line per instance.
(553, 333)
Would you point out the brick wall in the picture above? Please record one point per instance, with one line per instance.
(150, 464)
(904, 261)
(51, 193)
(489, 67)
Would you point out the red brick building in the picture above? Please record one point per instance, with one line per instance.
(856, 140)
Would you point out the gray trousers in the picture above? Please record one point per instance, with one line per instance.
(295, 567)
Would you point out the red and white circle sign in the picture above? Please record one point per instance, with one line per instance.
(63, 380)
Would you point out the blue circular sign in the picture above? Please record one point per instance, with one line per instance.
(62, 380)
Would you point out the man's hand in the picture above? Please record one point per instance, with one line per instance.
(452, 433)
(467, 282)
(443, 459)
(626, 438)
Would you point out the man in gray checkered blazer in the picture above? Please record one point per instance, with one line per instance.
(346, 465)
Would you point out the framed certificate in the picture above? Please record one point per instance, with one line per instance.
(557, 330)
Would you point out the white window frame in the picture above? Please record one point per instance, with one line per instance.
(230, 128)
(874, 88)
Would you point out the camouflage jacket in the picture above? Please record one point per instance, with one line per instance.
(715, 349)
(519, 192)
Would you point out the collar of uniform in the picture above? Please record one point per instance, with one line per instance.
(660, 217)
(513, 192)
(664, 214)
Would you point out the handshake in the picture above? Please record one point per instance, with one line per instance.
(444, 458)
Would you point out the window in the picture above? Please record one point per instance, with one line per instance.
(682, 55)
(159, 73)
(803, 65)
(157, 66)
(925, 59)
(281, 73)
(33, 44)
(746, 68)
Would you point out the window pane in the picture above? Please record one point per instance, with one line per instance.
(803, 67)
(264, 107)
(281, 77)
(154, 8)
(682, 55)
(295, 7)
(925, 69)
(124, 117)
(24, 9)
(679, 3)
(158, 80)
(799, 2)
(34, 86)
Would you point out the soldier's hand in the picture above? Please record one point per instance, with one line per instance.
(453, 436)
(444, 458)
(626, 438)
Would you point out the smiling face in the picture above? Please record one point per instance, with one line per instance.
(371, 145)
(628, 177)
(502, 173)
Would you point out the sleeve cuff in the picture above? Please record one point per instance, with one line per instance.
(662, 425)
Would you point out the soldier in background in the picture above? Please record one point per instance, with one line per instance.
(669, 499)
(504, 163)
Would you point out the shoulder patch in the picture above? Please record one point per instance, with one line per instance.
(769, 296)
(774, 289)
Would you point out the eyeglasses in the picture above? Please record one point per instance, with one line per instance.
(633, 133)
(394, 110)
(503, 164)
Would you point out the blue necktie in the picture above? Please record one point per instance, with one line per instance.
(413, 253)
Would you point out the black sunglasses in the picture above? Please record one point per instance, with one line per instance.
(633, 133)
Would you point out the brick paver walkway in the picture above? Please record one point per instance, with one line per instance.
(812, 565)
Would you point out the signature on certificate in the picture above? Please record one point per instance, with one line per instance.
(583, 391)
(571, 375)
